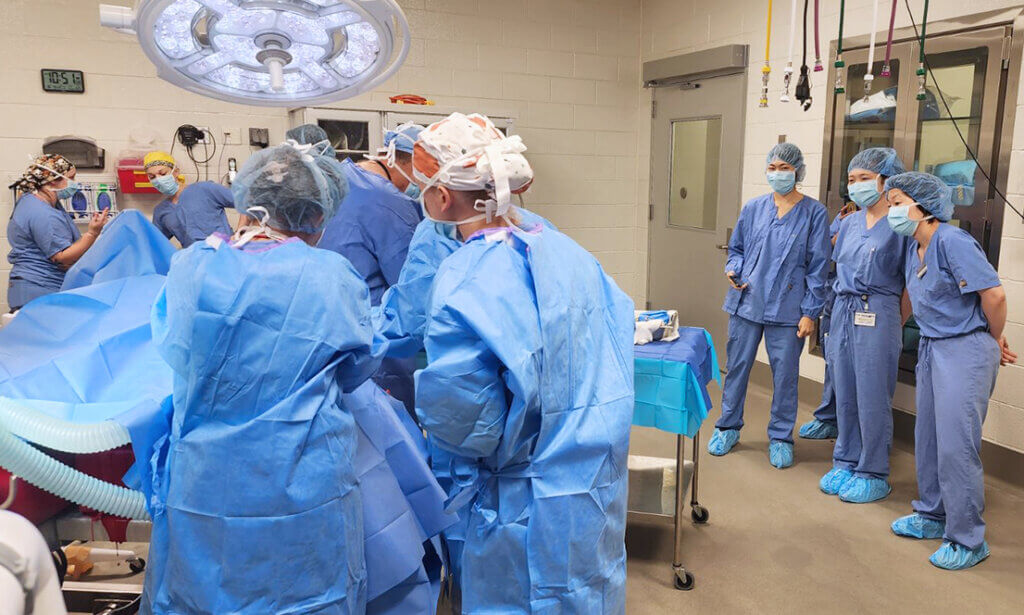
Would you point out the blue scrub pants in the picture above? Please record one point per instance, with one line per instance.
(826, 412)
(955, 377)
(865, 361)
(20, 292)
(784, 349)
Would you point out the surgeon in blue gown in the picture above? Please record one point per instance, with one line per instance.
(537, 438)
(374, 227)
(960, 306)
(262, 445)
(190, 212)
(777, 267)
(866, 336)
(44, 240)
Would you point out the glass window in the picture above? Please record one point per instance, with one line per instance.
(693, 196)
(350, 139)
(870, 119)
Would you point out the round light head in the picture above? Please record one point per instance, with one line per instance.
(282, 53)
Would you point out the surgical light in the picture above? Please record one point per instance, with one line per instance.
(281, 53)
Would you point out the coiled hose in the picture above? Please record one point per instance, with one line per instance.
(50, 432)
(45, 472)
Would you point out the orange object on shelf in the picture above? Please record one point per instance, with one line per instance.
(134, 180)
(410, 99)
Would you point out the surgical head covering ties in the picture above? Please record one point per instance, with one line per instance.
(791, 155)
(312, 134)
(468, 153)
(298, 189)
(403, 137)
(44, 169)
(882, 160)
(929, 192)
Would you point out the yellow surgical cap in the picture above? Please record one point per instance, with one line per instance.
(159, 158)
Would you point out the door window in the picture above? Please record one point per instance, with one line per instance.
(693, 187)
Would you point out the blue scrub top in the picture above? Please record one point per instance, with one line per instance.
(783, 261)
(198, 213)
(945, 297)
(373, 228)
(869, 261)
(37, 231)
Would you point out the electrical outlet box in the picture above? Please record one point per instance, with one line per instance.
(204, 135)
(259, 137)
(232, 136)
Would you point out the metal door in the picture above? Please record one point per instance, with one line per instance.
(696, 187)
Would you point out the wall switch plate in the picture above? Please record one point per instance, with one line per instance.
(232, 136)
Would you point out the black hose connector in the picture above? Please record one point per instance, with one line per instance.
(803, 88)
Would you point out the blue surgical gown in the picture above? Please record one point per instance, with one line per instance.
(198, 213)
(784, 261)
(864, 359)
(259, 381)
(37, 231)
(957, 365)
(529, 388)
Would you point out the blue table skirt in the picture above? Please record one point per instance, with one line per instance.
(671, 382)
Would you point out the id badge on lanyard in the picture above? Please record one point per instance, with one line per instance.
(864, 318)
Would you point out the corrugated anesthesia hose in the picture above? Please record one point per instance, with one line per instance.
(886, 72)
(767, 68)
(34, 426)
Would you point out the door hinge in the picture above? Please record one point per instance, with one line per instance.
(650, 211)
(647, 305)
(654, 109)
(1005, 55)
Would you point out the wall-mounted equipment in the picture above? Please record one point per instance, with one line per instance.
(63, 80)
(259, 137)
(283, 53)
(80, 151)
(92, 197)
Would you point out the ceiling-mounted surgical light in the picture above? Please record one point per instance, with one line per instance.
(281, 53)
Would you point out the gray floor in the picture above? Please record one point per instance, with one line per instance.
(775, 544)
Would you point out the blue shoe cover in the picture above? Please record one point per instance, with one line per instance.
(819, 430)
(863, 490)
(780, 454)
(834, 480)
(722, 441)
(952, 556)
(916, 526)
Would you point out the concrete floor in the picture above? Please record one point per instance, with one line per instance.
(776, 544)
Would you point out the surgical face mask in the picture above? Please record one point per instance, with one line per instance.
(900, 222)
(443, 227)
(865, 194)
(166, 184)
(782, 182)
(69, 191)
(412, 191)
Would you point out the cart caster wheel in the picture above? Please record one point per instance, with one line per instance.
(699, 514)
(137, 566)
(686, 583)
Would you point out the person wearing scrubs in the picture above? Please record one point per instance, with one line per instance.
(824, 425)
(960, 306)
(191, 212)
(44, 240)
(777, 267)
(866, 335)
(536, 439)
(260, 508)
(374, 227)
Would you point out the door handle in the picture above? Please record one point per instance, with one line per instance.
(728, 237)
(722, 246)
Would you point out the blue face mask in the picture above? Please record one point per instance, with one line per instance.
(900, 222)
(865, 194)
(69, 191)
(166, 184)
(443, 228)
(413, 191)
(782, 182)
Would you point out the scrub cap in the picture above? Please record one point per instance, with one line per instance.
(312, 134)
(43, 170)
(467, 153)
(791, 155)
(882, 160)
(299, 189)
(404, 137)
(159, 158)
(928, 191)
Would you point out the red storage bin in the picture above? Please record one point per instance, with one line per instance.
(134, 180)
(109, 466)
(30, 501)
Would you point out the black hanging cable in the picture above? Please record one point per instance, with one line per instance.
(949, 113)
(803, 86)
